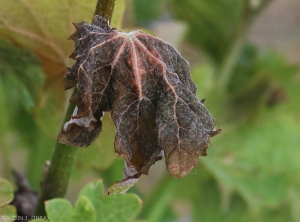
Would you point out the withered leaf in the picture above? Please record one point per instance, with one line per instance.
(145, 84)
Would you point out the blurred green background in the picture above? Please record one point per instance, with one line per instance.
(244, 57)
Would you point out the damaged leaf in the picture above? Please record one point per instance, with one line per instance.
(25, 200)
(145, 84)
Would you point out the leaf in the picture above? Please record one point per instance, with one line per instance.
(59, 210)
(93, 191)
(7, 211)
(239, 160)
(125, 207)
(6, 192)
(217, 204)
(146, 85)
(93, 206)
(207, 206)
(84, 210)
(6, 196)
(112, 207)
(25, 200)
(21, 70)
(44, 27)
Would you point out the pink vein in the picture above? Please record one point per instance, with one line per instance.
(172, 89)
(118, 54)
(136, 71)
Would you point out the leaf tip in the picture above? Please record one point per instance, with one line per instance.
(214, 133)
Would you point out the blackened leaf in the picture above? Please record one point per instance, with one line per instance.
(25, 200)
(145, 84)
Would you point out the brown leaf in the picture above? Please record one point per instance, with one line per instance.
(145, 84)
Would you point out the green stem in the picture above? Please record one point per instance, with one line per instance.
(56, 181)
(57, 178)
(226, 69)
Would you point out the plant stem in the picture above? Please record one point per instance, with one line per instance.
(226, 69)
(57, 178)
(105, 8)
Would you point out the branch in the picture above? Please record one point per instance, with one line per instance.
(57, 178)
(251, 12)
(56, 181)
(105, 8)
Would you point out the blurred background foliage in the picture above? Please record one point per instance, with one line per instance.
(252, 170)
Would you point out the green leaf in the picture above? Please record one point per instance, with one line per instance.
(8, 211)
(6, 192)
(47, 36)
(207, 206)
(214, 203)
(256, 157)
(123, 207)
(59, 210)
(6, 196)
(84, 210)
(20, 70)
(94, 192)
(93, 206)
(119, 207)
(45, 26)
